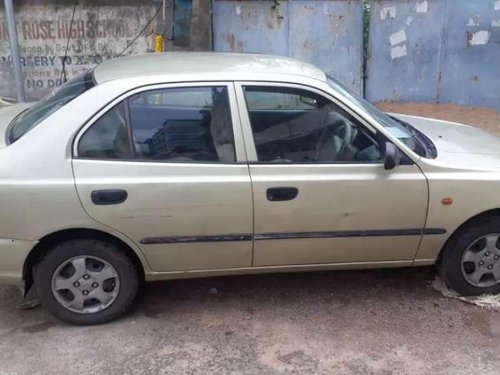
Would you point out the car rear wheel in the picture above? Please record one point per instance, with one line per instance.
(86, 281)
(471, 259)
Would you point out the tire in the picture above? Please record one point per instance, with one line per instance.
(121, 289)
(453, 264)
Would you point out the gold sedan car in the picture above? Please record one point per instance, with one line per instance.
(184, 165)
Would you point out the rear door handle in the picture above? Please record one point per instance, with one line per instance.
(107, 197)
(282, 194)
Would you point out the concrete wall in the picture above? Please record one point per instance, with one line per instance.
(101, 30)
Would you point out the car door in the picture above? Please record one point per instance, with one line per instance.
(165, 166)
(321, 193)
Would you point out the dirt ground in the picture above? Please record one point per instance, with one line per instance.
(485, 118)
(349, 322)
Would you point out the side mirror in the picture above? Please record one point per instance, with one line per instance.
(392, 156)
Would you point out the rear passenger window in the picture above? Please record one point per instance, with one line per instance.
(183, 125)
(190, 124)
(108, 137)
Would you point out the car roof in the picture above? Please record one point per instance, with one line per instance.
(199, 64)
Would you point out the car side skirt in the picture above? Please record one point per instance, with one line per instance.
(157, 276)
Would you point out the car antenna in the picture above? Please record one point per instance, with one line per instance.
(63, 72)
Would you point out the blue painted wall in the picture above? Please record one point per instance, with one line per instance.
(419, 50)
(470, 68)
(326, 33)
(435, 51)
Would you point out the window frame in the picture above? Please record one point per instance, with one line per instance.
(248, 133)
(240, 150)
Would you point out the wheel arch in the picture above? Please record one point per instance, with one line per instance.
(50, 240)
(495, 212)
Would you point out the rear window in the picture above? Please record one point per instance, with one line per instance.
(42, 109)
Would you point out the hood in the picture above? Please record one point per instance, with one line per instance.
(7, 114)
(462, 145)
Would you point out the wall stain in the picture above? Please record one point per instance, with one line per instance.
(230, 41)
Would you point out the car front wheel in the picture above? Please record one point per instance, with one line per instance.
(471, 259)
(86, 281)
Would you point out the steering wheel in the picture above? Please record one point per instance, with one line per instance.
(328, 146)
(344, 131)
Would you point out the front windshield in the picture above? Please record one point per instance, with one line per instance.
(42, 109)
(397, 129)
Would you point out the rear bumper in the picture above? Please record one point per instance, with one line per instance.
(13, 254)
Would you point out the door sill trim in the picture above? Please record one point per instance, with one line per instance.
(192, 274)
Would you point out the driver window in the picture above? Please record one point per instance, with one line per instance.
(292, 125)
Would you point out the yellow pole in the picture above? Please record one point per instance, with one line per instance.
(159, 43)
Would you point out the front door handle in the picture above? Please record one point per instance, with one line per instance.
(282, 194)
(107, 197)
